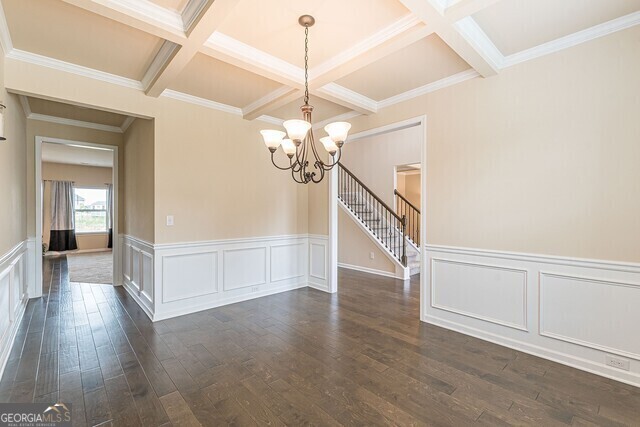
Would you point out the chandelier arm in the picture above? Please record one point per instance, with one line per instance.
(331, 165)
(321, 173)
(291, 164)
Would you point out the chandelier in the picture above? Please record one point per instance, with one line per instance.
(300, 144)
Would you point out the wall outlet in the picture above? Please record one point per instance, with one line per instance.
(254, 289)
(617, 362)
(169, 220)
(372, 255)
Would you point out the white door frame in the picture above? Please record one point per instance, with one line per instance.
(333, 202)
(38, 285)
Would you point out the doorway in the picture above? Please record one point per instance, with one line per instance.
(76, 208)
(419, 125)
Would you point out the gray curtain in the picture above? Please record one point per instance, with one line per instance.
(63, 234)
(110, 214)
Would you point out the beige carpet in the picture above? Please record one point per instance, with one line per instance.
(92, 267)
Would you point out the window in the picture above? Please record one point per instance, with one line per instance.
(91, 210)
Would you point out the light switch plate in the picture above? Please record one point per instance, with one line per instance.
(169, 220)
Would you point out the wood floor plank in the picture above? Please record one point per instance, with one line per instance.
(178, 410)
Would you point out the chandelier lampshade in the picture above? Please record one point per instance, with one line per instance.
(298, 143)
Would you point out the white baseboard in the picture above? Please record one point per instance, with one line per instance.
(14, 290)
(572, 311)
(370, 271)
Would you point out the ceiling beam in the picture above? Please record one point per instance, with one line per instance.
(427, 11)
(270, 102)
(172, 59)
(142, 15)
(464, 8)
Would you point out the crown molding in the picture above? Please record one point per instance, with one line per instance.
(71, 122)
(249, 54)
(5, 35)
(481, 43)
(428, 88)
(24, 101)
(349, 96)
(79, 70)
(396, 28)
(149, 10)
(162, 58)
(270, 119)
(574, 39)
(339, 118)
(191, 12)
(267, 99)
(207, 103)
(126, 123)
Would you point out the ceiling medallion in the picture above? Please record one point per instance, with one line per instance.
(300, 144)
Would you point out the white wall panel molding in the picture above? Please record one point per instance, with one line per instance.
(14, 293)
(172, 279)
(367, 270)
(450, 291)
(570, 310)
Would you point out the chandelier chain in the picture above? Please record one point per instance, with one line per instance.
(306, 65)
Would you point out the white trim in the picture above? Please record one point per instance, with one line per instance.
(5, 35)
(349, 96)
(428, 88)
(404, 124)
(76, 123)
(207, 103)
(164, 55)
(270, 119)
(24, 101)
(267, 99)
(368, 270)
(626, 267)
(151, 11)
(387, 33)
(126, 123)
(574, 39)
(481, 43)
(191, 12)
(236, 49)
(56, 64)
(201, 243)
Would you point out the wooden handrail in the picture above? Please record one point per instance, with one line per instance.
(355, 178)
(397, 193)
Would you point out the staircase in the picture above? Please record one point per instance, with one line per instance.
(387, 227)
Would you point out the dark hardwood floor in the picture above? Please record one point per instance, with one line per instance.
(360, 357)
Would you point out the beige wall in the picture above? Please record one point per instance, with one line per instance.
(542, 158)
(88, 176)
(73, 133)
(13, 224)
(138, 180)
(373, 160)
(354, 247)
(408, 184)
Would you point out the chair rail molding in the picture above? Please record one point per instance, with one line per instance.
(549, 306)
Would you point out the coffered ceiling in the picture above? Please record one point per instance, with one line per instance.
(246, 56)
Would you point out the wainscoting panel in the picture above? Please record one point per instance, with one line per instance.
(13, 297)
(483, 291)
(616, 305)
(318, 262)
(573, 311)
(198, 274)
(138, 271)
(244, 267)
(287, 261)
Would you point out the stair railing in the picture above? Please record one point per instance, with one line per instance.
(370, 209)
(412, 213)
